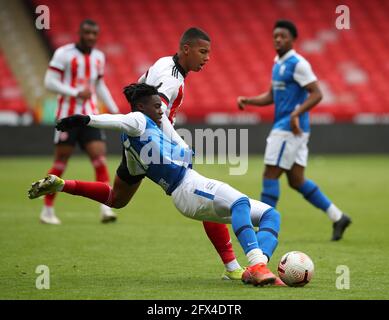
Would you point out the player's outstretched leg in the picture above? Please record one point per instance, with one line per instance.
(257, 272)
(97, 191)
(267, 235)
(268, 221)
(102, 175)
(48, 185)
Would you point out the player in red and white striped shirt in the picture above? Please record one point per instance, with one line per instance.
(76, 73)
(169, 74)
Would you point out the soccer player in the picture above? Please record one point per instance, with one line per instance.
(147, 151)
(76, 73)
(294, 91)
(170, 73)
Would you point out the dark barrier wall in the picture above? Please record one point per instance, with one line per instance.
(339, 138)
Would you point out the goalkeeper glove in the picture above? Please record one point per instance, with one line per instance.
(75, 121)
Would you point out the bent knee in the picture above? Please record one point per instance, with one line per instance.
(295, 184)
(274, 217)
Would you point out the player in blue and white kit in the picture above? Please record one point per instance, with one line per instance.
(169, 74)
(149, 152)
(294, 91)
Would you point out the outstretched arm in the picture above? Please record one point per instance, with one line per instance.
(133, 123)
(263, 99)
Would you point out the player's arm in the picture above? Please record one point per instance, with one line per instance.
(53, 78)
(305, 77)
(263, 99)
(168, 130)
(313, 99)
(104, 94)
(53, 83)
(133, 123)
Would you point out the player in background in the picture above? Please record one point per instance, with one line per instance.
(168, 164)
(76, 73)
(294, 91)
(170, 73)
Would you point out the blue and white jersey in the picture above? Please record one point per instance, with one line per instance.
(291, 73)
(148, 150)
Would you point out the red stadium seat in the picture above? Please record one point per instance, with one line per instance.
(242, 52)
(11, 98)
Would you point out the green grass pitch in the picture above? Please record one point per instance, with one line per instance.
(153, 252)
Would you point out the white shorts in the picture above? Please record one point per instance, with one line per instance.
(200, 198)
(283, 149)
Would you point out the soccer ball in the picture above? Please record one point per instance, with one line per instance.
(295, 269)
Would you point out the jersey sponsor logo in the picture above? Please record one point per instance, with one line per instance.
(278, 85)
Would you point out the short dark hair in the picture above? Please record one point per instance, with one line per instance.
(137, 92)
(287, 25)
(193, 34)
(89, 22)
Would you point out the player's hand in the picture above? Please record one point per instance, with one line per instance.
(75, 121)
(241, 101)
(295, 125)
(84, 94)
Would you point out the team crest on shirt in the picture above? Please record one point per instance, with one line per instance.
(282, 69)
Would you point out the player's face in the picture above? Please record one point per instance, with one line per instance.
(152, 109)
(88, 35)
(198, 55)
(282, 40)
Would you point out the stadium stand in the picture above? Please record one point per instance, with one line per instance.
(13, 107)
(136, 33)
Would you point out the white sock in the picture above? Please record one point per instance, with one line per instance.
(232, 265)
(334, 213)
(48, 210)
(256, 256)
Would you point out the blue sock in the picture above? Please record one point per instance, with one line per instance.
(312, 193)
(242, 226)
(270, 192)
(267, 235)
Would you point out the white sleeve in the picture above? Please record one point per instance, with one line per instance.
(168, 90)
(58, 60)
(168, 130)
(104, 94)
(303, 73)
(53, 83)
(133, 123)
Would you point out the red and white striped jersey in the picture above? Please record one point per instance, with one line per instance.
(79, 71)
(167, 72)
